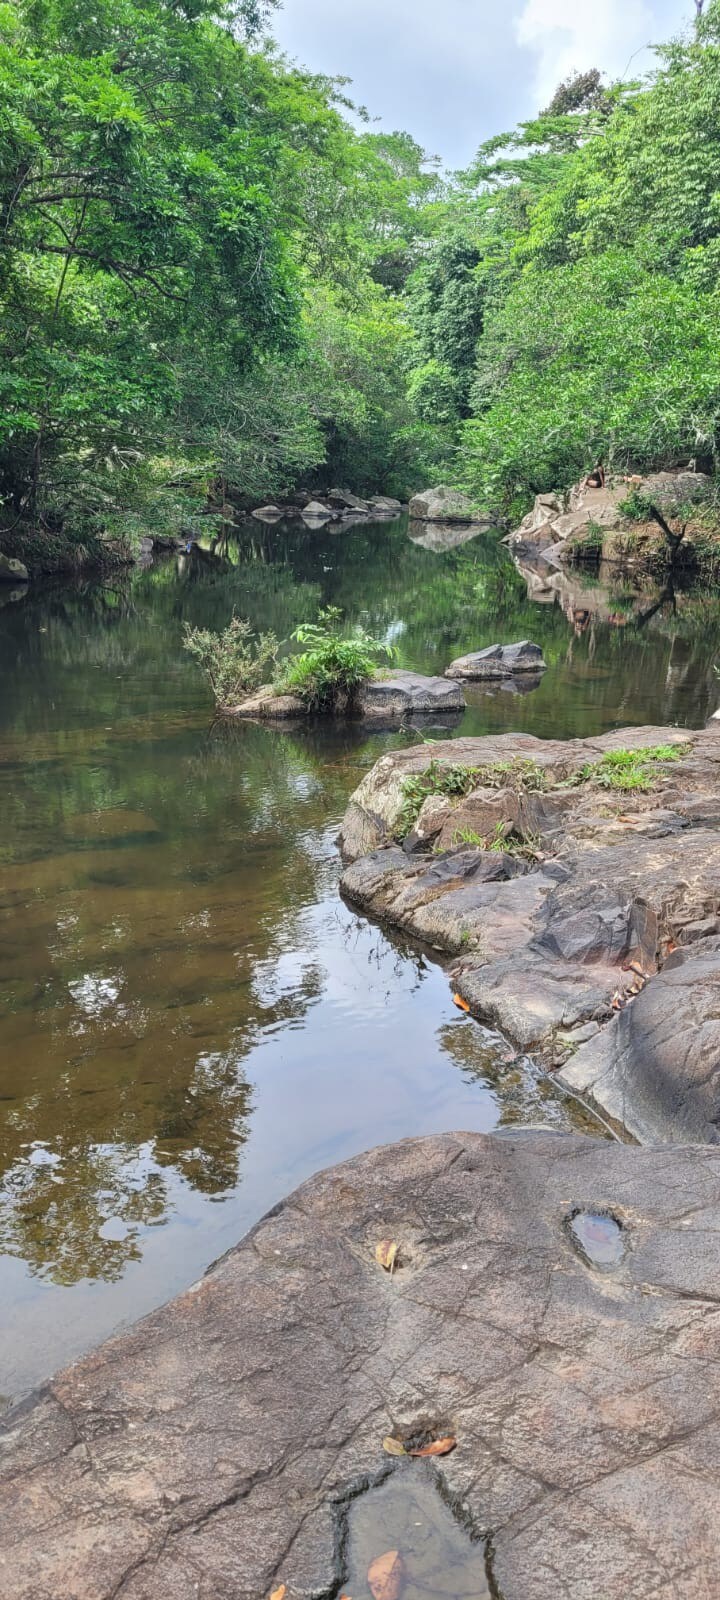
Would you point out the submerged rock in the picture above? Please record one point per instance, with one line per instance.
(234, 1437)
(498, 661)
(12, 571)
(446, 505)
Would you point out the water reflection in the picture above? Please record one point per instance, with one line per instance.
(192, 1020)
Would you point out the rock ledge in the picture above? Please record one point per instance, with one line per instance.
(213, 1449)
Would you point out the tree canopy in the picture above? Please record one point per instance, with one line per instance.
(210, 273)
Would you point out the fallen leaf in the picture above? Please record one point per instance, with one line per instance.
(393, 1447)
(279, 1594)
(458, 1001)
(386, 1576)
(439, 1447)
(386, 1253)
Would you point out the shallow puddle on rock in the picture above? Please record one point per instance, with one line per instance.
(599, 1237)
(408, 1514)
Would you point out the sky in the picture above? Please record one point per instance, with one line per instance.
(453, 72)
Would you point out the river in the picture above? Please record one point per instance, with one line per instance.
(192, 1020)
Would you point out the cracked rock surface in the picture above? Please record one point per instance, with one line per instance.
(210, 1451)
(585, 920)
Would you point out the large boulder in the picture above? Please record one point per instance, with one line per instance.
(345, 500)
(498, 661)
(12, 571)
(408, 694)
(589, 516)
(553, 1309)
(445, 505)
(315, 512)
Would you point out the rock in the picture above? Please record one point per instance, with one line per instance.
(398, 697)
(234, 1432)
(591, 506)
(498, 661)
(385, 505)
(343, 500)
(610, 921)
(12, 571)
(267, 514)
(265, 704)
(408, 694)
(375, 809)
(655, 1066)
(315, 511)
(446, 505)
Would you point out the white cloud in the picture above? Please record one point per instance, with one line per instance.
(454, 73)
(571, 35)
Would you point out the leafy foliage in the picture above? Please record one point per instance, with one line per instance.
(236, 661)
(329, 673)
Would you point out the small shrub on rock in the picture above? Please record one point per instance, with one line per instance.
(330, 672)
(236, 661)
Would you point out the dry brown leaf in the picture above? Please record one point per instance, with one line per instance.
(279, 1594)
(393, 1447)
(439, 1447)
(386, 1253)
(458, 1001)
(386, 1576)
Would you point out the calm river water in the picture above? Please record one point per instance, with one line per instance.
(192, 1020)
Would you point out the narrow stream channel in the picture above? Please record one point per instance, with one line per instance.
(192, 1020)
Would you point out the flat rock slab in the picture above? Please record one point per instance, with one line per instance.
(555, 1307)
(498, 661)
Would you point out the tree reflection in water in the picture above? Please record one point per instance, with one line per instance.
(168, 899)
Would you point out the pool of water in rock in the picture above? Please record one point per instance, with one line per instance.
(192, 1020)
(404, 1543)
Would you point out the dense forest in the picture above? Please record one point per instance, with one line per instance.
(215, 278)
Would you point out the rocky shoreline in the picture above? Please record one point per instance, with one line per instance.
(577, 887)
(552, 1311)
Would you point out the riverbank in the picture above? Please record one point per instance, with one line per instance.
(577, 886)
(53, 553)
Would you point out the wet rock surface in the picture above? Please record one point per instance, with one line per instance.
(232, 1441)
(583, 919)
